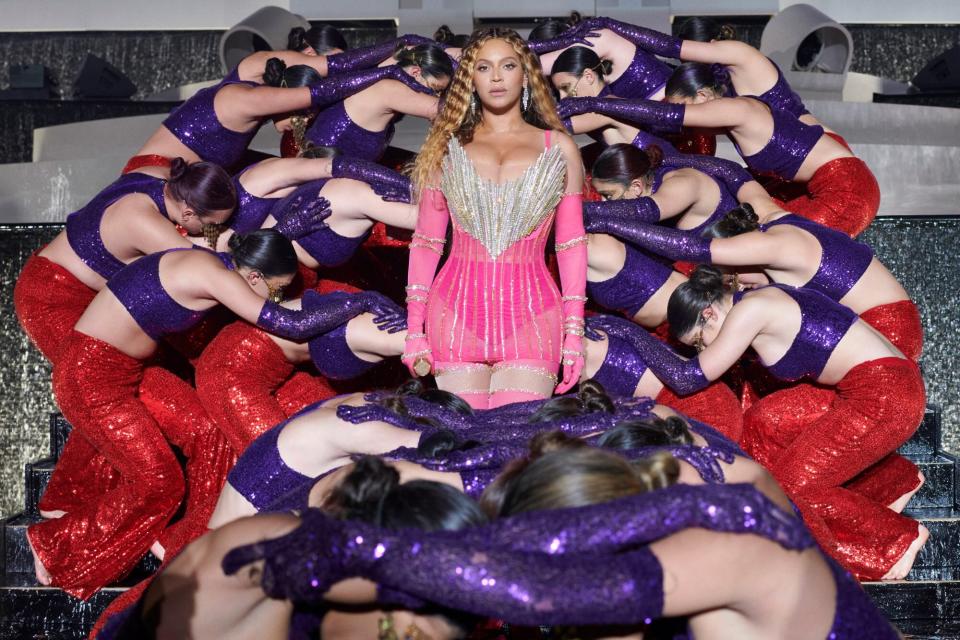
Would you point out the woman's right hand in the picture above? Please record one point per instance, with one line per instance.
(417, 349)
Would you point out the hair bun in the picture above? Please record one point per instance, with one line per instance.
(549, 441)
(235, 243)
(575, 18)
(178, 168)
(594, 397)
(657, 471)
(606, 67)
(706, 278)
(654, 155)
(676, 430)
(727, 32)
(297, 39)
(443, 34)
(273, 72)
(361, 493)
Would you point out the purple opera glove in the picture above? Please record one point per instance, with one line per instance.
(644, 140)
(715, 440)
(326, 312)
(635, 210)
(659, 117)
(476, 481)
(521, 588)
(300, 217)
(663, 241)
(621, 524)
(568, 38)
(485, 456)
(336, 88)
(362, 58)
(303, 564)
(377, 413)
(567, 124)
(386, 183)
(683, 376)
(731, 174)
(651, 40)
(705, 460)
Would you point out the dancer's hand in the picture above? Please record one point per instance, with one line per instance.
(303, 216)
(396, 72)
(572, 360)
(569, 107)
(389, 316)
(302, 565)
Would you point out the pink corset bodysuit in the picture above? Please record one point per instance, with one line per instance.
(494, 302)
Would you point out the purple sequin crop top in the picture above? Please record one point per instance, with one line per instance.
(787, 148)
(195, 124)
(83, 225)
(333, 127)
(823, 323)
(644, 77)
(843, 261)
(728, 199)
(251, 210)
(138, 288)
(781, 96)
(264, 479)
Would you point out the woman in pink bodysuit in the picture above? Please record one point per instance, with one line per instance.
(492, 325)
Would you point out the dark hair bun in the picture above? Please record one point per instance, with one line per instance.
(444, 34)
(315, 151)
(235, 243)
(549, 441)
(297, 40)
(676, 430)
(594, 397)
(273, 72)
(743, 216)
(362, 491)
(178, 168)
(727, 32)
(575, 18)
(606, 67)
(655, 155)
(706, 278)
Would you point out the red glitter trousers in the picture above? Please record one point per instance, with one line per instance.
(842, 194)
(247, 385)
(149, 160)
(48, 301)
(899, 322)
(98, 542)
(716, 406)
(817, 442)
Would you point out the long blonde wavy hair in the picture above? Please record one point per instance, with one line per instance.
(457, 119)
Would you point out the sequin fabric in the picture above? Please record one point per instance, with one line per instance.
(96, 388)
(787, 148)
(633, 286)
(814, 440)
(195, 124)
(330, 353)
(83, 225)
(900, 323)
(48, 301)
(843, 194)
(494, 299)
(781, 97)
(842, 261)
(715, 405)
(823, 323)
(329, 248)
(237, 377)
(147, 160)
(621, 369)
(856, 615)
(333, 127)
(645, 76)
(262, 477)
(251, 210)
(139, 290)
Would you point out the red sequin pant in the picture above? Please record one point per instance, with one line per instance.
(818, 441)
(716, 406)
(247, 385)
(842, 194)
(899, 322)
(149, 160)
(48, 301)
(102, 539)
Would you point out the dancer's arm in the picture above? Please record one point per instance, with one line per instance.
(425, 252)
(661, 116)
(571, 246)
(371, 56)
(650, 40)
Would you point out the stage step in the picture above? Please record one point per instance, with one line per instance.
(926, 440)
(939, 489)
(31, 612)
